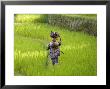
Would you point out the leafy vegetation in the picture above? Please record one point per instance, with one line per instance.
(84, 23)
(31, 38)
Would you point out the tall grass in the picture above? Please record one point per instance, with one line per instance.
(30, 54)
(84, 23)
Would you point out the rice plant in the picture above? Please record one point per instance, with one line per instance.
(30, 54)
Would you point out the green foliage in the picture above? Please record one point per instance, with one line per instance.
(73, 22)
(30, 18)
(85, 23)
(30, 55)
(43, 18)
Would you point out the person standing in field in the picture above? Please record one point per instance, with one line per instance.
(53, 47)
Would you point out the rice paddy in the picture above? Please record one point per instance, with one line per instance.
(30, 55)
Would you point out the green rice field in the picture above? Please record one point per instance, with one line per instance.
(30, 54)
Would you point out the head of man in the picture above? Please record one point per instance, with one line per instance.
(54, 35)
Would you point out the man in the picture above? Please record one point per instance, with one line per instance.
(54, 48)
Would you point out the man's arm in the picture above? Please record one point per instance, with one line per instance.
(59, 42)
